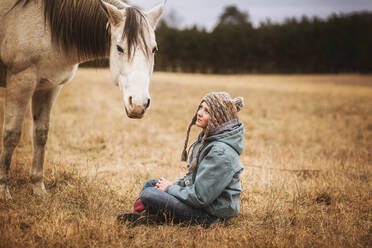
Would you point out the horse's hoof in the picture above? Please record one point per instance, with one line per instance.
(4, 193)
(39, 189)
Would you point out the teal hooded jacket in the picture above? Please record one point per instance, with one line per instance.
(215, 185)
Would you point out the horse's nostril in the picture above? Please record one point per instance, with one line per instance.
(148, 103)
(130, 101)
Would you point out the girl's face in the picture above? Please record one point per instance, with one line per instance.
(202, 116)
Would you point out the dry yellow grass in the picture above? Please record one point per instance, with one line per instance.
(308, 143)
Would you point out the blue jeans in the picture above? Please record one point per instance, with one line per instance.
(161, 203)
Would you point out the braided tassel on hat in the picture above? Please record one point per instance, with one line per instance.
(184, 152)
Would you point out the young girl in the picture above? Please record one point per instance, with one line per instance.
(210, 191)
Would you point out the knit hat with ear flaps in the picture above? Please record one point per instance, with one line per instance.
(222, 108)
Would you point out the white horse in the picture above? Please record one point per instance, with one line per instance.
(41, 44)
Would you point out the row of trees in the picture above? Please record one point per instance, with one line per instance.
(340, 43)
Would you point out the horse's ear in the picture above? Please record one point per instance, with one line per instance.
(154, 14)
(114, 15)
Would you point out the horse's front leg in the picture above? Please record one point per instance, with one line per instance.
(42, 102)
(19, 89)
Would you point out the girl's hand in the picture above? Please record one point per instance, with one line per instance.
(162, 184)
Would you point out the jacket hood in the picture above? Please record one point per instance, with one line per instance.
(233, 138)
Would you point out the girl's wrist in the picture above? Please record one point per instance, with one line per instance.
(166, 189)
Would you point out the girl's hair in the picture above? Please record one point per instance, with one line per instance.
(222, 108)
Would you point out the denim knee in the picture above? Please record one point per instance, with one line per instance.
(150, 183)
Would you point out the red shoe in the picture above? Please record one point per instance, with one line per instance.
(138, 206)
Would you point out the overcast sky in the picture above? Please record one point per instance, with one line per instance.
(204, 13)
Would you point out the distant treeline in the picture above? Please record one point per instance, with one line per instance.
(338, 44)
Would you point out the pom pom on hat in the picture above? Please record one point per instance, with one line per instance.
(239, 103)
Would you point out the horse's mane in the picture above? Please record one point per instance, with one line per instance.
(81, 26)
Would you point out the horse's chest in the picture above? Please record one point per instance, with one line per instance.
(51, 79)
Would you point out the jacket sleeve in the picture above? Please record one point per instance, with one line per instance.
(181, 181)
(213, 175)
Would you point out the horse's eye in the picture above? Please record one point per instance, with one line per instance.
(120, 49)
(155, 49)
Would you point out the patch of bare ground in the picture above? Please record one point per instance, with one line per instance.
(307, 158)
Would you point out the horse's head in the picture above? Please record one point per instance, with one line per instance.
(133, 46)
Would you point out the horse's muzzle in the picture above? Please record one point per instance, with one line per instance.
(136, 113)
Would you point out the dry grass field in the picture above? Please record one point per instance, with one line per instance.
(306, 182)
